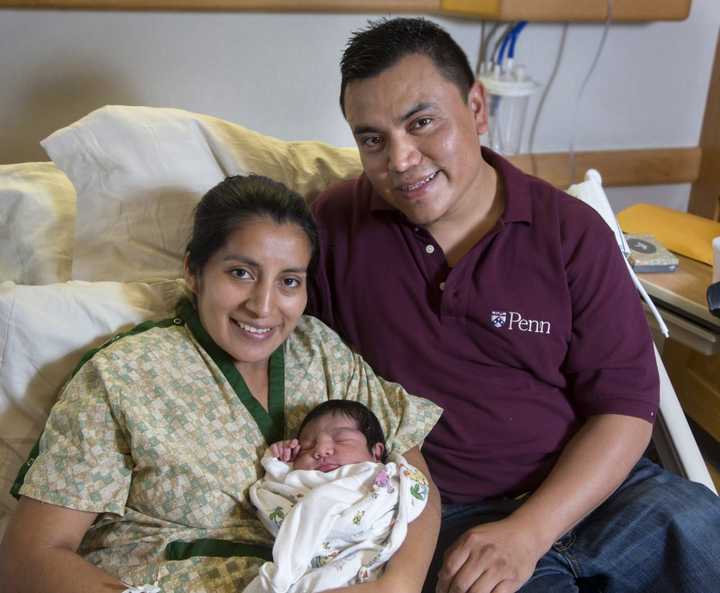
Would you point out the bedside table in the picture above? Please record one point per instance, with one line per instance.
(692, 352)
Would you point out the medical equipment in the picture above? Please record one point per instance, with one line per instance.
(509, 88)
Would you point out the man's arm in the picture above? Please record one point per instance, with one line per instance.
(500, 557)
(39, 552)
(406, 570)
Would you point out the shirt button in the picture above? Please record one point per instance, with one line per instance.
(429, 249)
(442, 286)
(177, 321)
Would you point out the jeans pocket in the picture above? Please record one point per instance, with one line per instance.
(565, 542)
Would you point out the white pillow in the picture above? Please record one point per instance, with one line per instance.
(44, 332)
(139, 171)
(37, 223)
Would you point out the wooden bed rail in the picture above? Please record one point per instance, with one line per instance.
(658, 166)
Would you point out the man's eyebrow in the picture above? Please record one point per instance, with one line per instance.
(417, 108)
(358, 130)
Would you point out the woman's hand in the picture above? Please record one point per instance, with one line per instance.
(286, 450)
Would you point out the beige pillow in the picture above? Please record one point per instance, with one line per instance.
(139, 171)
(37, 223)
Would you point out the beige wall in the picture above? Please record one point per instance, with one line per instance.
(277, 73)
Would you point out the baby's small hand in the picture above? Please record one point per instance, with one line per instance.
(285, 450)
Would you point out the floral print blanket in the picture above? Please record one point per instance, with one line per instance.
(337, 528)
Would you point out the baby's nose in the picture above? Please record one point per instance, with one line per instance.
(324, 449)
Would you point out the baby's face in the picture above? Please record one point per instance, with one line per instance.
(331, 441)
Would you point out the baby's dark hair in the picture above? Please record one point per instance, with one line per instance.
(367, 422)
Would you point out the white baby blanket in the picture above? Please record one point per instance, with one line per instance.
(337, 528)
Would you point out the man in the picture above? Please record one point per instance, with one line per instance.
(507, 303)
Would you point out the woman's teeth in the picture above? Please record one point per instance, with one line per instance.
(253, 330)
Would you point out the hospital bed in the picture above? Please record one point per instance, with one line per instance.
(91, 243)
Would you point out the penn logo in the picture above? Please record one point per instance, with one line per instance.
(516, 322)
(498, 318)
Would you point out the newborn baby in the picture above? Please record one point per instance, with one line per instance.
(337, 507)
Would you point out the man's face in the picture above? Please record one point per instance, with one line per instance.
(419, 139)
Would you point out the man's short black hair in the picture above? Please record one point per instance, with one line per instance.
(366, 422)
(384, 42)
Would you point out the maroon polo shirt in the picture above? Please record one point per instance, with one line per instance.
(536, 328)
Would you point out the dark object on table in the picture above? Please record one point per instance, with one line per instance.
(648, 255)
(713, 299)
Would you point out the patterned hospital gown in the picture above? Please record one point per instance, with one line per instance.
(158, 434)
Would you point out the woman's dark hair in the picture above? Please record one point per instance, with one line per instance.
(384, 42)
(236, 200)
(366, 422)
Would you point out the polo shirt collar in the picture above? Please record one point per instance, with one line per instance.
(516, 185)
(518, 207)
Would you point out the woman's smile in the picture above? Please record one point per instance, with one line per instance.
(254, 331)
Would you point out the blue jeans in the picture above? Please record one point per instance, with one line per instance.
(658, 533)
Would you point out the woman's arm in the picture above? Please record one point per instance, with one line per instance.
(406, 570)
(39, 552)
(408, 567)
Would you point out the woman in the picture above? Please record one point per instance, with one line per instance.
(145, 461)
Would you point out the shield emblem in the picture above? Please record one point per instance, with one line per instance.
(498, 318)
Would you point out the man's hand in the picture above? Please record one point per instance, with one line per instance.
(496, 557)
(286, 450)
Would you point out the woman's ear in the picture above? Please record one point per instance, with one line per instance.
(190, 279)
(378, 450)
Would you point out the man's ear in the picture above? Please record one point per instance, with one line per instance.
(478, 105)
(378, 450)
(190, 278)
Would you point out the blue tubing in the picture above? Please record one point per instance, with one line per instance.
(517, 29)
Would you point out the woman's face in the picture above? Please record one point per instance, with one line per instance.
(252, 292)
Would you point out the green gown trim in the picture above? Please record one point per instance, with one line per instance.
(270, 422)
(220, 548)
